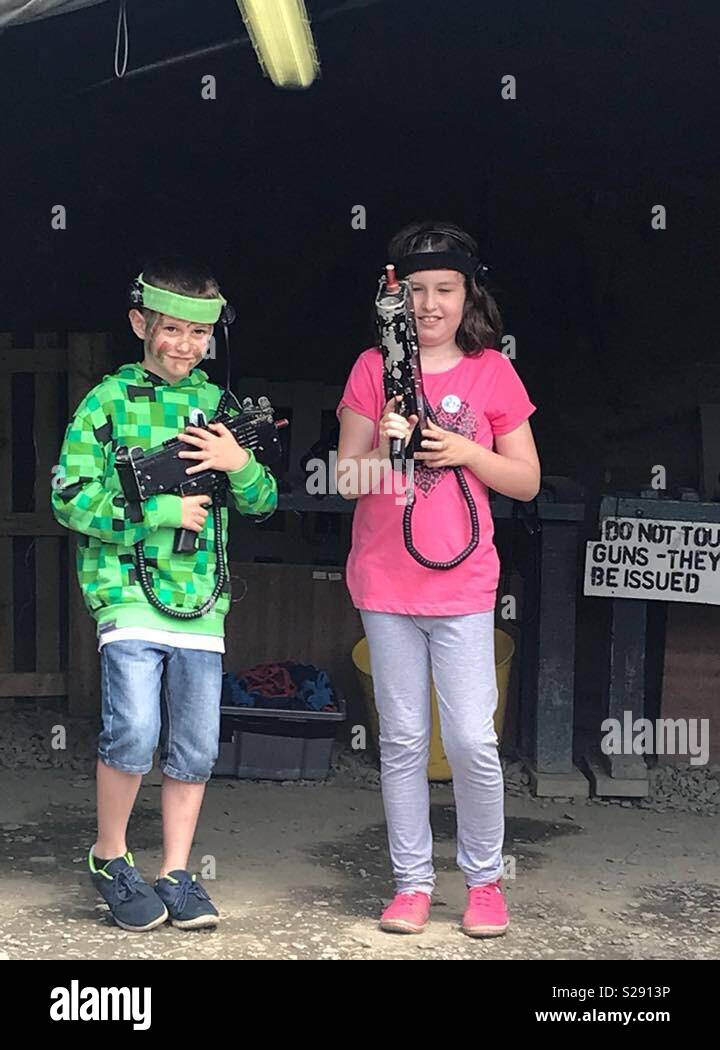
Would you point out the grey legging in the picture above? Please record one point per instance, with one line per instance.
(460, 652)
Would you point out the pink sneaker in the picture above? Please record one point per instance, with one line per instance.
(486, 914)
(408, 913)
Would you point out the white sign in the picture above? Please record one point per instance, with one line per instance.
(670, 561)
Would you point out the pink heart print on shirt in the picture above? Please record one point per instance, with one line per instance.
(464, 422)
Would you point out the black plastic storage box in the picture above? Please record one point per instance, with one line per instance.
(260, 744)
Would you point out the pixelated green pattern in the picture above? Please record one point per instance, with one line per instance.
(128, 408)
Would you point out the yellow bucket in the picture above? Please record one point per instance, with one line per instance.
(438, 766)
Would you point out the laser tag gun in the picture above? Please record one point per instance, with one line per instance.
(397, 336)
(160, 470)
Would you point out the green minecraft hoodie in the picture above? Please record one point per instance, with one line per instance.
(135, 407)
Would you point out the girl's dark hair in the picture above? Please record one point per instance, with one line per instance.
(481, 324)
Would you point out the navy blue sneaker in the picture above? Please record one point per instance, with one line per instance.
(187, 901)
(134, 904)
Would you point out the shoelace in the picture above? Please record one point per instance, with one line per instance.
(125, 884)
(491, 890)
(412, 897)
(185, 889)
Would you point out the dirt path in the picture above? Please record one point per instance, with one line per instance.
(302, 872)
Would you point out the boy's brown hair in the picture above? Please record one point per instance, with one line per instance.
(174, 273)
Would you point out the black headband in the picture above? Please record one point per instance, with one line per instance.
(447, 260)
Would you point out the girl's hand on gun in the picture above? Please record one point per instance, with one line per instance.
(393, 425)
(444, 448)
(194, 514)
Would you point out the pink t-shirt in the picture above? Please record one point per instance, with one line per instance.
(478, 397)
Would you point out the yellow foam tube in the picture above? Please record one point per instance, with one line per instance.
(438, 766)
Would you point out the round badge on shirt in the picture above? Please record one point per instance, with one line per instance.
(451, 403)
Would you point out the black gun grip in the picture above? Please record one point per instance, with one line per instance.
(397, 448)
(184, 541)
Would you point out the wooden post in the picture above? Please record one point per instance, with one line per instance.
(624, 685)
(89, 358)
(548, 650)
(7, 625)
(47, 548)
(548, 640)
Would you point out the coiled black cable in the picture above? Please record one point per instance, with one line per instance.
(220, 566)
(472, 508)
(220, 571)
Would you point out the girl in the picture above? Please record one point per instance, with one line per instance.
(426, 621)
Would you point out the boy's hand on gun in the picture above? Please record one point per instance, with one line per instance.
(216, 449)
(393, 425)
(194, 514)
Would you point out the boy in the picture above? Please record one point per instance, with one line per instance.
(161, 676)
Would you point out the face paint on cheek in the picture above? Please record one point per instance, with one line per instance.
(150, 346)
(162, 349)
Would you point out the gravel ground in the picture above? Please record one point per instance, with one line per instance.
(302, 872)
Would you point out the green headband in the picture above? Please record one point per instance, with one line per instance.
(186, 307)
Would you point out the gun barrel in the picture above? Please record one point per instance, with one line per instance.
(397, 335)
(392, 283)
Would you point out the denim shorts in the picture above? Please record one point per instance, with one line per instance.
(155, 693)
